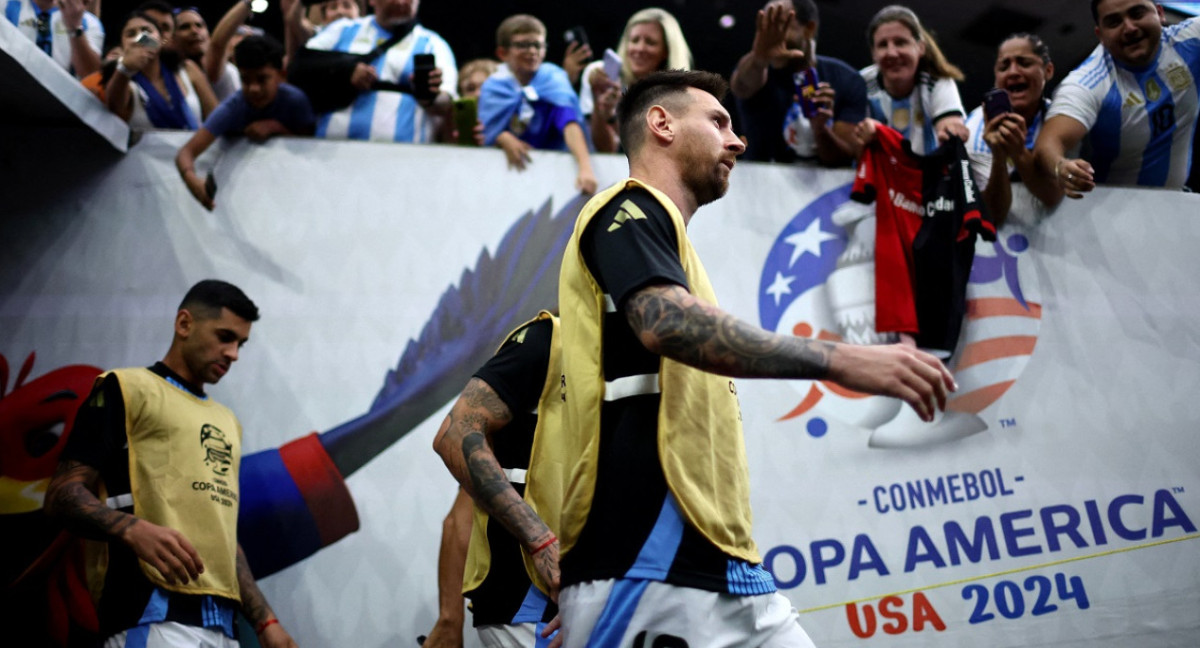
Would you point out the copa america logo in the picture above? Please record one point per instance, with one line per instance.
(818, 281)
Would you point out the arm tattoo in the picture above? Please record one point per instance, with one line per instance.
(254, 604)
(686, 329)
(69, 497)
(477, 413)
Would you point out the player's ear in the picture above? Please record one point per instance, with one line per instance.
(661, 124)
(184, 322)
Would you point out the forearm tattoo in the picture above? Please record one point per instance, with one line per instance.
(70, 499)
(703, 336)
(478, 411)
(254, 604)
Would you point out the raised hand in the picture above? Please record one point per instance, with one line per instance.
(1005, 135)
(576, 58)
(770, 37)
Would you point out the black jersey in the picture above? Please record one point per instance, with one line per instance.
(634, 528)
(517, 373)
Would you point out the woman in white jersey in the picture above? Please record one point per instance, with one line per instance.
(1001, 145)
(652, 41)
(150, 88)
(911, 85)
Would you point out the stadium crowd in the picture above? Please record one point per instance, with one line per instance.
(1126, 116)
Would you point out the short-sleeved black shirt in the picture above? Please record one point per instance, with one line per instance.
(762, 115)
(99, 440)
(517, 373)
(631, 243)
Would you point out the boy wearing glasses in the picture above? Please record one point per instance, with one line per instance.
(528, 103)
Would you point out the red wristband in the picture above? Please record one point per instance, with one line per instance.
(545, 544)
(264, 625)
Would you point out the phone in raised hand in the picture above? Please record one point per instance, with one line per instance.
(996, 102)
(423, 65)
(466, 115)
(147, 40)
(575, 35)
(612, 65)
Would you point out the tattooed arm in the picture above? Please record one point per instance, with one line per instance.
(672, 322)
(70, 497)
(98, 438)
(462, 442)
(256, 610)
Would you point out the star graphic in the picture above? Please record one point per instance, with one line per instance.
(780, 287)
(809, 241)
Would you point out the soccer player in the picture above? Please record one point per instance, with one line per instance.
(655, 530)
(167, 456)
(508, 414)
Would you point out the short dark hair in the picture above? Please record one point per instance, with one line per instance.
(206, 299)
(1040, 48)
(653, 90)
(1096, 10)
(157, 5)
(254, 52)
(806, 10)
(140, 15)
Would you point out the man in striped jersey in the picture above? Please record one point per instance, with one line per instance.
(655, 528)
(63, 30)
(166, 457)
(1134, 100)
(388, 116)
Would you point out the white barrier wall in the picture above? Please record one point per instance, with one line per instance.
(1060, 506)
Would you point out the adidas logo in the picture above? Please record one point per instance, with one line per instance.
(626, 212)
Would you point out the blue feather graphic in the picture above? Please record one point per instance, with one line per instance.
(501, 292)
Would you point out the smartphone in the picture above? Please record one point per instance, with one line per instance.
(612, 65)
(210, 185)
(423, 65)
(806, 89)
(575, 35)
(147, 40)
(466, 115)
(996, 102)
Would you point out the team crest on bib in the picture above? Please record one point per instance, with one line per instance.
(900, 119)
(218, 453)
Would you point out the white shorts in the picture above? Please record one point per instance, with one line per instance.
(650, 614)
(169, 634)
(516, 635)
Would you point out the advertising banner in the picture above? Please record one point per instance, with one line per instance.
(1054, 503)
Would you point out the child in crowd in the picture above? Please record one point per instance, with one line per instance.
(472, 75)
(263, 108)
(529, 104)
